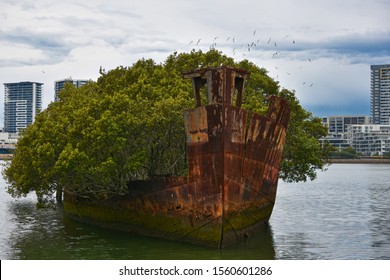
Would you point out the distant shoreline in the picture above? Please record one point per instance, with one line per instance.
(362, 160)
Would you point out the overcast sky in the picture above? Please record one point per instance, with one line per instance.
(321, 49)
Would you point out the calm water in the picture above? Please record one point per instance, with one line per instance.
(344, 214)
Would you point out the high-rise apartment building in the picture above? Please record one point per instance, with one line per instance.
(59, 85)
(380, 94)
(22, 102)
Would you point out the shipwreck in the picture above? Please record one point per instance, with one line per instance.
(233, 159)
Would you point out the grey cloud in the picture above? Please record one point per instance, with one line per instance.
(20, 62)
(357, 48)
(52, 44)
(106, 9)
(376, 44)
(37, 40)
(111, 10)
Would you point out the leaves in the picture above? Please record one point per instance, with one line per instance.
(129, 125)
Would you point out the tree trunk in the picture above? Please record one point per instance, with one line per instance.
(59, 194)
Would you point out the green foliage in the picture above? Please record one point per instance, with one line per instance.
(129, 125)
(346, 153)
(303, 153)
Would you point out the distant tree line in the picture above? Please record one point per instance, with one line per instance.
(350, 153)
(345, 153)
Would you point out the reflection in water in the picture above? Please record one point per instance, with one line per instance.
(296, 245)
(344, 214)
(36, 230)
(48, 234)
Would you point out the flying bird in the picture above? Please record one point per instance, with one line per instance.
(309, 60)
(197, 43)
(254, 33)
(269, 40)
(311, 85)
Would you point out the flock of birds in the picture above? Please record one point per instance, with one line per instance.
(245, 49)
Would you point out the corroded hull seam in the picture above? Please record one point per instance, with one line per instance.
(234, 158)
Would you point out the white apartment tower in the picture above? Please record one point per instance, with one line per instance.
(380, 94)
(22, 102)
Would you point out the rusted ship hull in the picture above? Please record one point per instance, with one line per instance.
(234, 158)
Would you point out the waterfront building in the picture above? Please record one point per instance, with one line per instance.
(339, 141)
(370, 139)
(380, 94)
(59, 85)
(338, 126)
(7, 144)
(22, 102)
(8, 139)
